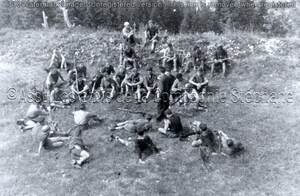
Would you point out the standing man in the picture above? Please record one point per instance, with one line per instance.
(165, 82)
(151, 34)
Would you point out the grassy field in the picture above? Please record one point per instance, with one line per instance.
(269, 131)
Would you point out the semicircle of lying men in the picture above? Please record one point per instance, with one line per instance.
(175, 77)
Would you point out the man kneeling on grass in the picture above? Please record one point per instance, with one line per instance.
(82, 117)
(79, 152)
(173, 127)
(144, 144)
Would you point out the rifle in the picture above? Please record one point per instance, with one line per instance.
(210, 62)
(135, 112)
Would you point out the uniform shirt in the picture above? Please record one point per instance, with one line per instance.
(175, 124)
(81, 117)
(151, 31)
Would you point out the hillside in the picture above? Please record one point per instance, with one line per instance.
(270, 166)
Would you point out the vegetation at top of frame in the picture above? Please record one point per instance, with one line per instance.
(186, 19)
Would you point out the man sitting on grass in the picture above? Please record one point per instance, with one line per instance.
(143, 144)
(221, 59)
(150, 82)
(134, 82)
(82, 117)
(173, 127)
(52, 80)
(79, 152)
(205, 137)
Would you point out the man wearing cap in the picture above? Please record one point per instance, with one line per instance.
(151, 35)
(82, 117)
(134, 82)
(172, 125)
(164, 86)
(150, 82)
(221, 59)
(144, 143)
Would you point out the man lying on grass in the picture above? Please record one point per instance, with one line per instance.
(133, 125)
(36, 113)
(50, 138)
(79, 152)
(82, 117)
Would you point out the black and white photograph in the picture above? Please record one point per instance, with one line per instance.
(150, 97)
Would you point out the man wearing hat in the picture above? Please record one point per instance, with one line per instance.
(172, 125)
(151, 35)
(150, 82)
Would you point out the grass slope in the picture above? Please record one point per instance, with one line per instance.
(268, 130)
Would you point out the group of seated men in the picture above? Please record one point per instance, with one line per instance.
(183, 82)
